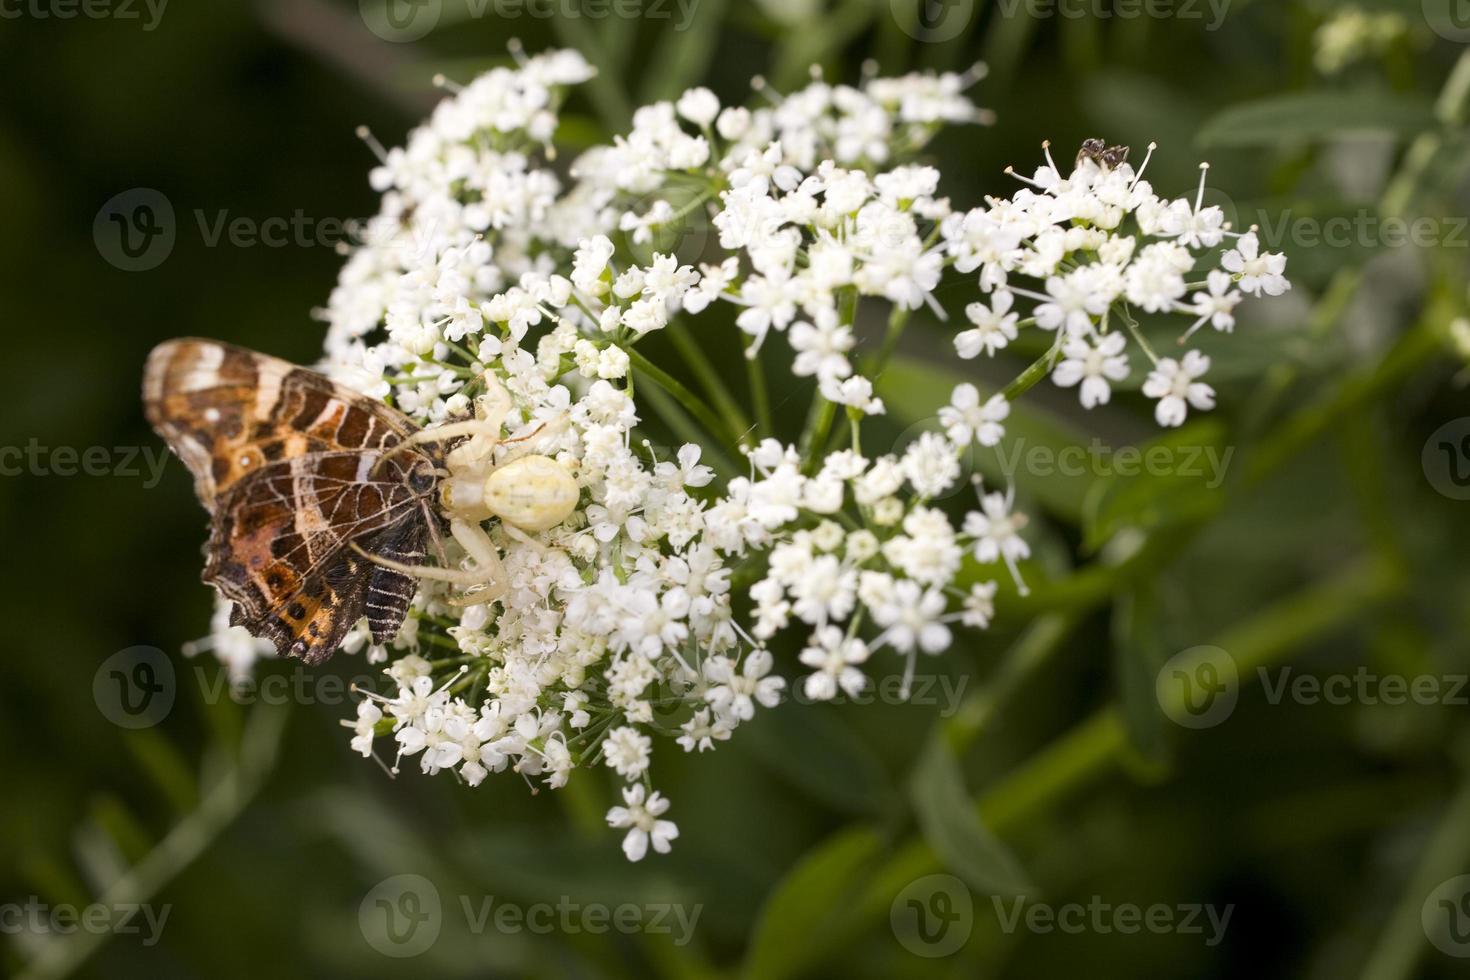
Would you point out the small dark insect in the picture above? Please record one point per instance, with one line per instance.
(1098, 151)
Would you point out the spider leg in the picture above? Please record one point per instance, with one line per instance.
(433, 522)
(488, 571)
(516, 534)
(465, 577)
(549, 428)
(486, 556)
(495, 404)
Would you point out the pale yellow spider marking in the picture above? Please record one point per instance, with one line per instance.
(526, 492)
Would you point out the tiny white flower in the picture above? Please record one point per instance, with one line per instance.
(640, 817)
(1216, 307)
(1093, 363)
(626, 750)
(995, 326)
(834, 657)
(1177, 386)
(699, 106)
(1257, 273)
(966, 420)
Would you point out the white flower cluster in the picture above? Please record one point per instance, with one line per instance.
(1091, 247)
(656, 608)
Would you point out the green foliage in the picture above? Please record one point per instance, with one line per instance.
(1059, 772)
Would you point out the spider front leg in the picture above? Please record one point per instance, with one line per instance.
(492, 575)
(488, 577)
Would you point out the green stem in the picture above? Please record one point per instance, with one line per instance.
(1137, 334)
(818, 426)
(755, 373)
(684, 428)
(1026, 655)
(1099, 744)
(897, 320)
(699, 362)
(225, 800)
(1038, 369)
(671, 385)
(1398, 195)
(1396, 956)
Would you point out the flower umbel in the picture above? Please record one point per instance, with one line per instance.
(688, 583)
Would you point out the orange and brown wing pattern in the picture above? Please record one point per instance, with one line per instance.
(227, 411)
(292, 469)
(279, 544)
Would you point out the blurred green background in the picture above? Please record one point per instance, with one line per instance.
(1335, 547)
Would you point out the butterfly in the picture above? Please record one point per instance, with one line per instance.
(1098, 151)
(306, 482)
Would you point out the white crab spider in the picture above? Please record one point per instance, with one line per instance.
(526, 491)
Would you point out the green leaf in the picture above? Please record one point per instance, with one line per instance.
(822, 757)
(165, 767)
(683, 54)
(1314, 116)
(951, 824)
(1139, 655)
(808, 902)
(1177, 477)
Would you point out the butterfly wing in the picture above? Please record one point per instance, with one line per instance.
(291, 468)
(226, 411)
(279, 547)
